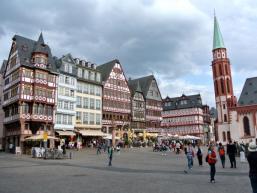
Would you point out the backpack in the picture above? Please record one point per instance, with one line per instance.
(222, 151)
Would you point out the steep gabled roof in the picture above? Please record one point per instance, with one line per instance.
(249, 93)
(145, 83)
(106, 68)
(174, 103)
(40, 46)
(3, 67)
(26, 47)
(134, 86)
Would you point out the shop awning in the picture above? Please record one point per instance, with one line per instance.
(39, 138)
(109, 136)
(66, 133)
(152, 134)
(96, 133)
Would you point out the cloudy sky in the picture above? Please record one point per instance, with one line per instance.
(171, 39)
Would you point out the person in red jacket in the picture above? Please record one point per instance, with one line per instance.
(212, 161)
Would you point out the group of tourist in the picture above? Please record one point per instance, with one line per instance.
(231, 151)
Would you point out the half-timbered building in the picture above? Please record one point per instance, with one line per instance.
(116, 97)
(137, 107)
(153, 99)
(29, 90)
(1, 103)
(183, 115)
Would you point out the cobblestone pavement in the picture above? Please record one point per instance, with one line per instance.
(136, 170)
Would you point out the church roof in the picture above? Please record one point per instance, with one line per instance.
(249, 93)
(182, 102)
(217, 37)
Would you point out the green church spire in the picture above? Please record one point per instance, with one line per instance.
(217, 37)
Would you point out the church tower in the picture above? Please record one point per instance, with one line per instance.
(223, 86)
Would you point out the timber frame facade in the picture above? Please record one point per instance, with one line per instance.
(29, 91)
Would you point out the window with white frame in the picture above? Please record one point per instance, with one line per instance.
(69, 120)
(98, 77)
(85, 102)
(85, 88)
(80, 72)
(92, 89)
(66, 105)
(58, 119)
(85, 117)
(78, 116)
(65, 119)
(59, 104)
(92, 103)
(70, 68)
(86, 74)
(97, 104)
(92, 118)
(98, 90)
(79, 102)
(79, 87)
(98, 119)
(71, 106)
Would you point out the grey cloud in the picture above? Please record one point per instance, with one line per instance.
(171, 44)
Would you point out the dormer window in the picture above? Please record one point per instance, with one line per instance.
(40, 60)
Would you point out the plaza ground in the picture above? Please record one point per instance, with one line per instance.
(136, 170)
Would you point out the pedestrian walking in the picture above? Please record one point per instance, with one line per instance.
(199, 155)
(110, 154)
(190, 156)
(231, 151)
(252, 160)
(178, 147)
(221, 151)
(242, 152)
(98, 149)
(212, 161)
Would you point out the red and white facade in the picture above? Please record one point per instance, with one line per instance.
(116, 97)
(183, 118)
(29, 93)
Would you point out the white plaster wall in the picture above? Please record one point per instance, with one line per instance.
(235, 127)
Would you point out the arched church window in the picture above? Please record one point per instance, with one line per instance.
(226, 69)
(215, 71)
(223, 55)
(224, 136)
(228, 86)
(228, 135)
(220, 69)
(222, 86)
(216, 87)
(225, 118)
(246, 126)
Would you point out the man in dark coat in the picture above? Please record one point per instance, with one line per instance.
(231, 151)
(252, 160)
